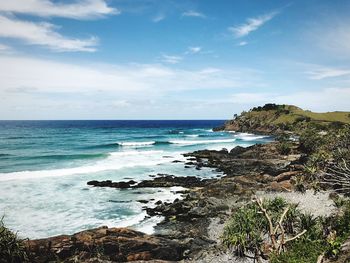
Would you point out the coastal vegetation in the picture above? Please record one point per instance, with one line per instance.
(281, 232)
(327, 158)
(323, 140)
(277, 119)
(12, 248)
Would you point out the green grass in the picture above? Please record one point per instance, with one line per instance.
(289, 114)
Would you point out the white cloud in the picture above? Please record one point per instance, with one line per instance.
(49, 89)
(171, 59)
(251, 25)
(43, 34)
(192, 13)
(325, 72)
(83, 9)
(194, 50)
(5, 48)
(51, 76)
(242, 43)
(158, 18)
(329, 99)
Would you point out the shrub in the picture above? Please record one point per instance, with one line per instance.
(12, 249)
(243, 231)
(284, 148)
(302, 118)
(285, 145)
(311, 141)
(303, 251)
(262, 227)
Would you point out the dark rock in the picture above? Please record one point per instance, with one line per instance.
(115, 244)
(109, 183)
(160, 181)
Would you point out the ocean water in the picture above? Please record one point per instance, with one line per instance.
(45, 165)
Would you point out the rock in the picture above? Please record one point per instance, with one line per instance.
(160, 181)
(286, 175)
(115, 244)
(280, 186)
(109, 183)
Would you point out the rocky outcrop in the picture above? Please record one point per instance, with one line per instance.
(161, 180)
(105, 245)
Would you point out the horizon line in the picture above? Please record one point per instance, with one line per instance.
(113, 120)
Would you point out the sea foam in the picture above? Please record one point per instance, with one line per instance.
(194, 142)
(136, 143)
(115, 161)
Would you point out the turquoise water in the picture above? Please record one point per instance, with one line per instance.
(44, 167)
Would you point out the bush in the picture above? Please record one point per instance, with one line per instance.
(261, 225)
(311, 141)
(12, 249)
(243, 231)
(285, 145)
(302, 119)
(284, 148)
(303, 251)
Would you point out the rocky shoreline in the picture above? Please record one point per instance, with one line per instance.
(186, 233)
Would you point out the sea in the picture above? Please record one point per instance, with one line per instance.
(45, 167)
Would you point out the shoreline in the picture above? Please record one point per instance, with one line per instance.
(192, 224)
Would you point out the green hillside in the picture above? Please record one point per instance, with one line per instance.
(273, 118)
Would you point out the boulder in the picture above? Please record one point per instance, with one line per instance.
(114, 244)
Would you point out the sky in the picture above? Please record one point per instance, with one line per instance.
(171, 59)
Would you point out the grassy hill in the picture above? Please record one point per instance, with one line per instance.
(274, 119)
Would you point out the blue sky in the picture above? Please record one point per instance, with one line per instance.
(171, 59)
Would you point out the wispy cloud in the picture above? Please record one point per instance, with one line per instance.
(5, 48)
(50, 89)
(171, 59)
(83, 9)
(320, 73)
(43, 34)
(252, 24)
(194, 50)
(49, 75)
(158, 18)
(321, 100)
(192, 13)
(242, 43)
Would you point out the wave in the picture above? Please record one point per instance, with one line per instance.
(175, 132)
(101, 146)
(193, 135)
(249, 136)
(185, 142)
(114, 161)
(136, 143)
(67, 156)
